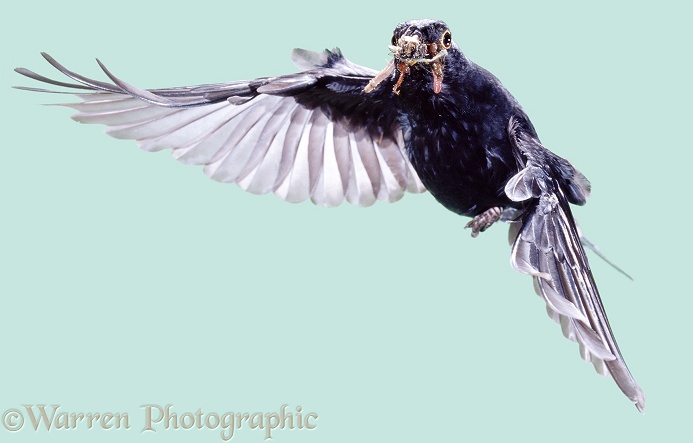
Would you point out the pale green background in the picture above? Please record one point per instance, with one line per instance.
(127, 278)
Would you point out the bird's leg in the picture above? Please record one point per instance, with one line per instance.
(483, 221)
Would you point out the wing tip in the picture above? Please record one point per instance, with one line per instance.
(306, 60)
(638, 398)
(640, 405)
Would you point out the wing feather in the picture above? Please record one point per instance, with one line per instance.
(298, 123)
(296, 186)
(360, 190)
(547, 245)
(311, 135)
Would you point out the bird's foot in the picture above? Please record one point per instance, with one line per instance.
(483, 221)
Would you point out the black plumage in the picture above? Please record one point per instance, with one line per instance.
(431, 120)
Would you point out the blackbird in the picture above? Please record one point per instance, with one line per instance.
(430, 120)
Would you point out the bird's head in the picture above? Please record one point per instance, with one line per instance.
(419, 45)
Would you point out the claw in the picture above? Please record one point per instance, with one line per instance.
(483, 221)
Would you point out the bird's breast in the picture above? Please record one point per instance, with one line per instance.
(460, 149)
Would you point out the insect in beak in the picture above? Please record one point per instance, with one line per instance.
(409, 50)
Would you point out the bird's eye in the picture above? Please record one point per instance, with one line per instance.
(446, 40)
(394, 40)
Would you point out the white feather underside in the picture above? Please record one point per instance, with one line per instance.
(268, 144)
(561, 282)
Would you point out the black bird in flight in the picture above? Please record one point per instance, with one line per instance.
(430, 120)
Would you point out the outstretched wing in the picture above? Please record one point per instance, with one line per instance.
(547, 246)
(314, 134)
